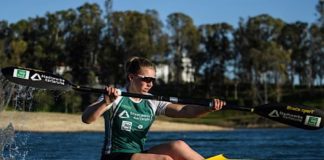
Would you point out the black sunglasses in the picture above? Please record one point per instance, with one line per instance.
(146, 79)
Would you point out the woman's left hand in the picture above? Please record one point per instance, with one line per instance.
(218, 105)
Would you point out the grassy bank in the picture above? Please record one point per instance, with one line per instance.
(229, 119)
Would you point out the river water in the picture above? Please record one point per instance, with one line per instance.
(281, 143)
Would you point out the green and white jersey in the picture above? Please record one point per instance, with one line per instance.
(127, 123)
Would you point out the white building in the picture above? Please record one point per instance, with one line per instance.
(165, 72)
(187, 74)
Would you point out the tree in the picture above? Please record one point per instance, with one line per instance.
(183, 40)
(215, 53)
(262, 58)
(15, 43)
(4, 35)
(158, 40)
(82, 43)
(294, 39)
(317, 45)
(65, 23)
(18, 47)
(129, 34)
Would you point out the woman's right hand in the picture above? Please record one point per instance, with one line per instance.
(111, 95)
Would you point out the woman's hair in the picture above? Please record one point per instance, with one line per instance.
(134, 64)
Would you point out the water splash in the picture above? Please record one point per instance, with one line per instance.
(6, 91)
(15, 98)
(7, 137)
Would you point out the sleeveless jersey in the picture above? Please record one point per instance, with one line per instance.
(127, 123)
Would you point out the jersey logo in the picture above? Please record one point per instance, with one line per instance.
(126, 126)
(140, 126)
(124, 114)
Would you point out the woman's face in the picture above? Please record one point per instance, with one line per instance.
(143, 81)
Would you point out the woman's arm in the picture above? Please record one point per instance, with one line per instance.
(191, 111)
(95, 110)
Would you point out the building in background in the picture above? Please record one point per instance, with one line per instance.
(165, 72)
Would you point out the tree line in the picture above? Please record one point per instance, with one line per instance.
(259, 61)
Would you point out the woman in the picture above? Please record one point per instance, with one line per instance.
(127, 120)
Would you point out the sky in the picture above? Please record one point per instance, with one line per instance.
(201, 11)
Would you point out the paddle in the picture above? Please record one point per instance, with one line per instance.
(299, 116)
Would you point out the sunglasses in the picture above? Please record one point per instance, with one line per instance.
(146, 79)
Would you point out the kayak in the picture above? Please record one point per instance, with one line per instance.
(220, 157)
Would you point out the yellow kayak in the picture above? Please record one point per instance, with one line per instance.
(221, 157)
(218, 157)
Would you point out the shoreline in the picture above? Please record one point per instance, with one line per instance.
(61, 122)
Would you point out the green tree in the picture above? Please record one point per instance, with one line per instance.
(261, 55)
(317, 47)
(129, 34)
(36, 36)
(3, 56)
(16, 43)
(65, 23)
(44, 101)
(216, 52)
(82, 43)
(183, 41)
(18, 47)
(158, 40)
(83, 46)
(294, 39)
(4, 34)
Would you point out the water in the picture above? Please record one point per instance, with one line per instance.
(246, 143)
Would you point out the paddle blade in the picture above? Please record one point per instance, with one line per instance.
(300, 116)
(35, 78)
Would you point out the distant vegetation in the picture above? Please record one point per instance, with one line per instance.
(264, 59)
